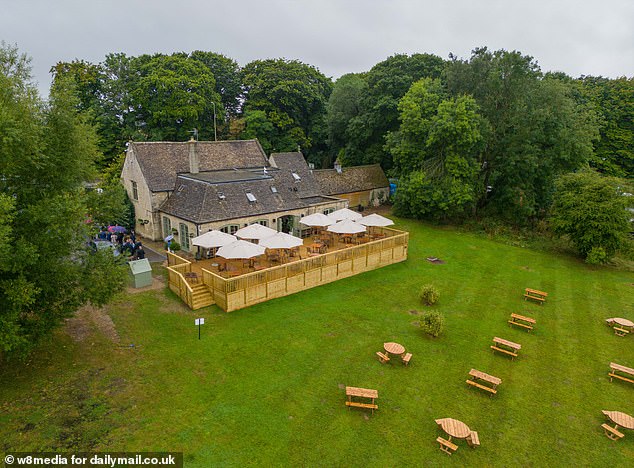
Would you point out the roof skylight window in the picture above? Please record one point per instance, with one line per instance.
(273, 189)
(296, 176)
(251, 197)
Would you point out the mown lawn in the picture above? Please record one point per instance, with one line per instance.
(264, 385)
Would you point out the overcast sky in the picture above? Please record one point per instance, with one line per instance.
(589, 37)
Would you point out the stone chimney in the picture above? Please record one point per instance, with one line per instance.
(193, 156)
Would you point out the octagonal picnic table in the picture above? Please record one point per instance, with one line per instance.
(394, 348)
(454, 428)
(623, 322)
(621, 419)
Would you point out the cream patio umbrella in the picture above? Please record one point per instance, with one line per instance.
(213, 239)
(347, 226)
(317, 220)
(375, 220)
(255, 231)
(281, 240)
(345, 213)
(240, 249)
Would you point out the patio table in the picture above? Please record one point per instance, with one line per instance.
(394, 348)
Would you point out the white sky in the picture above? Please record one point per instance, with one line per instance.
(578, 37)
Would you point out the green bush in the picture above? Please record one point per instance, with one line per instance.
(432, 323)
(175, 246)
(429, 294)
(597, 256)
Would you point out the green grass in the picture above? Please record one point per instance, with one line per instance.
(262, 387)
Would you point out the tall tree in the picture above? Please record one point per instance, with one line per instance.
(591, 211)
(46, 152)
(537, 130)
(387, 82)
(436, 150)
(228, 76)
(293, 96)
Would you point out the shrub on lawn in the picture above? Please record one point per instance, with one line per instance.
(432, 323)
(175, 246)
(429, 294)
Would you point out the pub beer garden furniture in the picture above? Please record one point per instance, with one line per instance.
(629, 373)
(479, 376)
(521, 321)
(366, 393)
(535, 295)
(506, 347)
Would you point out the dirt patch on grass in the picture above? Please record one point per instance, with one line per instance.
(86, 320)
(157, 283)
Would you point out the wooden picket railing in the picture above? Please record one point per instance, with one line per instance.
(259, 286)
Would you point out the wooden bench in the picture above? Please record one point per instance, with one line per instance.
(446, 446)
(483, 387)
(357, 404)
(505, 346)
(382, 357)
(479, 375)
(473, 440)
(361, 393)
(611, 432)
(619, 368)
(517, 319)
(407, 358)
(620, 331)
(502, 350)
(535, 295)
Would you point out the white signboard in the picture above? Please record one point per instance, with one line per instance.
(200, 321)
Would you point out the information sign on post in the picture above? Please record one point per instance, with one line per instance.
(199, 322)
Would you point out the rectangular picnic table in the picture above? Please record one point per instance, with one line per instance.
(506, 347)
(522, 321)
(362, 393)
(535, 295)
(477, 375)
(629, 377)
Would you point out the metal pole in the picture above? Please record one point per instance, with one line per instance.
(215, 136)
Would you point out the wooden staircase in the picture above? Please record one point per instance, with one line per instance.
(202, 297)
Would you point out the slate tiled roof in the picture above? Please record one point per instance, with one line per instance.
(161, 161)
(199, 201)
(351, 179)
(289, 163)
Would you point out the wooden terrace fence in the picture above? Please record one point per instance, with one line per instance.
(259, 286)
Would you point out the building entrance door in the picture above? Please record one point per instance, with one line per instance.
(285, 224)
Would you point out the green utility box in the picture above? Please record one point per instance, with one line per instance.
(141, 273)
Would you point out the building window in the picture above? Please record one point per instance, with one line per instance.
(296, 177)
(263, 222)
(184, 236)
(273, 189)
(167, 227)
(230, 229)
(327, 211)
(135, 190)
(251, 197)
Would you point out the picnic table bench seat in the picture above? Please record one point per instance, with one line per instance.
(446, 446)
(358, 404)
(382, 357)
(493, 391)
(406, 358)
(473, 440)
(621, 331)
(611, 432)
(624, 370)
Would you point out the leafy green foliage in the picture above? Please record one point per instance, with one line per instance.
(591, 211)
(537, 130)
(432, 323)
(429, 294)
(47, 152)
(293, 97)
(437, 144)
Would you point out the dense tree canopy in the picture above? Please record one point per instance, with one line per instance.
(47, 151)
(293, 97)
(591, 211)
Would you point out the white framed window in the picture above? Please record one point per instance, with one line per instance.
(230, 228)
(135, 190)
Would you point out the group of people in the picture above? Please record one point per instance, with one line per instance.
(124, 244)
